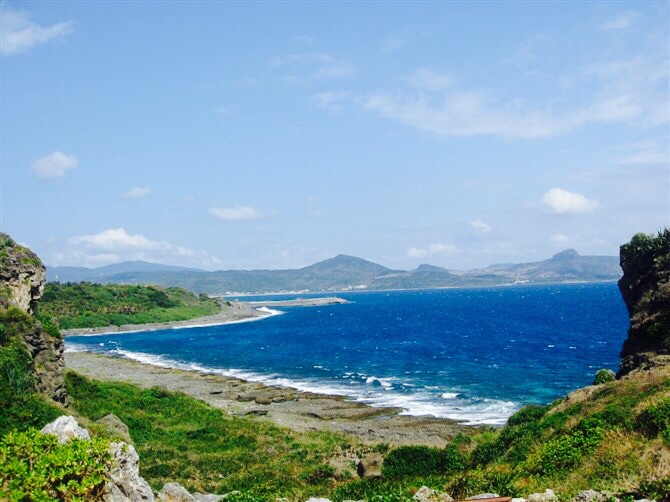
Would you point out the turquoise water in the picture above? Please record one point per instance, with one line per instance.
(475, 354)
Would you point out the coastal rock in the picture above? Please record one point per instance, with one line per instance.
(590, 496)
(174, 492)
(116, 427)
(547, 496)
(426, 494)
(370, 466)
(482, 496)
(66, 428)
(126, 484)
(645, 288)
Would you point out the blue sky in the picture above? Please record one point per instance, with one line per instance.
(230, 135)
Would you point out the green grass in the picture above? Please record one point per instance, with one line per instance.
(185, 440)
(86, 305)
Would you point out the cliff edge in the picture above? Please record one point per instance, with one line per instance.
(22, 280)
(645, 287)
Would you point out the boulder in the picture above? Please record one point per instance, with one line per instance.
(547, 496)
(126, 484)
(66, 428)
(174, 492)
(483, 496)
(590, 496)
(116, 427)
(370, 466)
(425, 494)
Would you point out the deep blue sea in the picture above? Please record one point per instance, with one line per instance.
(472, 354)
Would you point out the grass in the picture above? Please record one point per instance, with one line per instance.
(86, 305)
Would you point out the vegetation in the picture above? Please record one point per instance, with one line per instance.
(86, 305)
(603, 376)
(34, 466)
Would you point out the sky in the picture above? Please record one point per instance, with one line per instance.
(266, 135)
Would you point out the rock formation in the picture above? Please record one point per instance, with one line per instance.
(645, 287)
(22, 279)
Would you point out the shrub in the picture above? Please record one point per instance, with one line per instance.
(422, 461)
(655, 420)
(603, 376)
(34, 466)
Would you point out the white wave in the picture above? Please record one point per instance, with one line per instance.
(269, 311)
(378, 393)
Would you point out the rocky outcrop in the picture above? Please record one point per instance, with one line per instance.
(66, 428)
(22, 279)
(125, 483)
(645, 288)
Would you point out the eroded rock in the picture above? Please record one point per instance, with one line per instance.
(66, 428)
(426, 494)
(126, 484)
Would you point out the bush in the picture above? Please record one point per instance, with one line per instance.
(603, 376)
(34, 466)
(423, 461)
(655, 420)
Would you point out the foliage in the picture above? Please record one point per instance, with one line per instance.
(20, 406)
(642, 248)
(655, 420)
(86, 305)
(33, 466)
(185, 440)
(422, 460)
(603, 376)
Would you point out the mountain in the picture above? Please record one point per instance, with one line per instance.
(344, 272)
(81, 274)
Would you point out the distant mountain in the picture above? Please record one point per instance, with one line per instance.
(81, 274)
(343, 273)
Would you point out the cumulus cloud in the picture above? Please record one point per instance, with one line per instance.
(136, 193)
(560, 238)
(115, 244)
(313, 65)
(238, 213)
(18, 34)
(564, 202)
(480, 225)
(54, 165)
(436, 248)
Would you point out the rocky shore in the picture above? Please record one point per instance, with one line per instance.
(300, 411)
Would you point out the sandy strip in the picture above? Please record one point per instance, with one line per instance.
(300, 411)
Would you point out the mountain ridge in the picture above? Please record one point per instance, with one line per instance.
(346, 272)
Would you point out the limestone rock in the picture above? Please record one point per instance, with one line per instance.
(116, 427)
(207, 497)
(174, 492)
(370, 466)
(483, 496)
(48, 363)
(425, 494)
(316, 499)
(547, 496)
(126, 484)
(22, 274)
(590, 496)
(645, 288)
(66, 428)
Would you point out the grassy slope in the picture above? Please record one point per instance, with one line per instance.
(611, 437)
(85, 305)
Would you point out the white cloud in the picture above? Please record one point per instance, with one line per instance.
(54, 165)
(18, 34)
(330, 100)
(239, 213)
(560, 238)
(427, 79)
(622, 21)
(115, 244)
(136, 193)
(633, 91)
(564, 202)
(314, 65)
(430, 250)
(480, 225)
(392, 44)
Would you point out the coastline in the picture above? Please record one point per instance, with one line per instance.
(230, 313)
(294, 409)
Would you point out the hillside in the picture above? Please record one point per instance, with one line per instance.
(344, 272)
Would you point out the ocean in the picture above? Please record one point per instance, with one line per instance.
(473, 354)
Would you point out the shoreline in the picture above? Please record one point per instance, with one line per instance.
(230, 313)
(297, 410)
